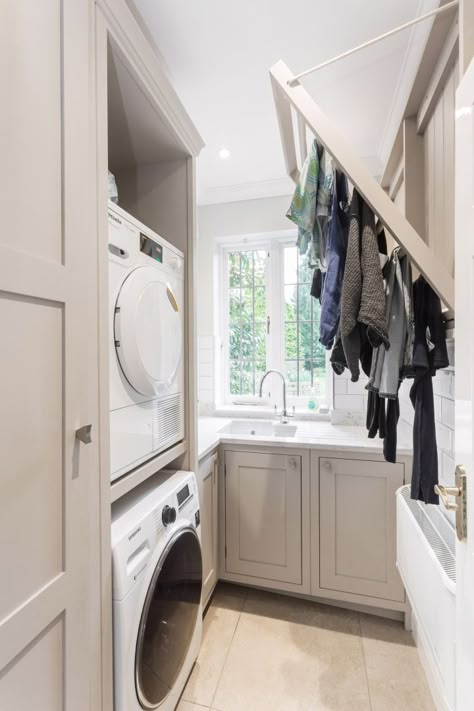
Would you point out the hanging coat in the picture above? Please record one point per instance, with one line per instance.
(337, 247)
(363, 296)
(429, 354)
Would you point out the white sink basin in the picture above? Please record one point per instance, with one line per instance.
(259, 428)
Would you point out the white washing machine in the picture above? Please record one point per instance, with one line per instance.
(146, 336)
(157, 585)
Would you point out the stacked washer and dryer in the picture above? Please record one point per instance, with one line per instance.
(156, 549)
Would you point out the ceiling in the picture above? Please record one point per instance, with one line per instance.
(218, 54)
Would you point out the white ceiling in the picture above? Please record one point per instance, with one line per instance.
(218, 54)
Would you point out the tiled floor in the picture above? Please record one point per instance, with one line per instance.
(266, 652)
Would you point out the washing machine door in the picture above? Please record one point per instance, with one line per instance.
(148, 330)
(169, 617)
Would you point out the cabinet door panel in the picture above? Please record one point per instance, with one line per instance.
(263, 515)
(208, 506)
(49, 482)
(358, 527)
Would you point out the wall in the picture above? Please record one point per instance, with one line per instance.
(214, 222)
(439, 173)
(350, 400)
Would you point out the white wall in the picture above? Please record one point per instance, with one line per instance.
(439, 173)
(214, 222)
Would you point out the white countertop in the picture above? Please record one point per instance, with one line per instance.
(309, 435)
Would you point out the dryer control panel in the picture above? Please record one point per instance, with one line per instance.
(151, 248)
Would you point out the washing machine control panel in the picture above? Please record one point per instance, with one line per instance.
(168, 515)
(142, 534)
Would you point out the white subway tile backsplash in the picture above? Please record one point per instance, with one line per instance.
(206, 342)
(443, 384)
(206, 396)
(346, 375)
(206, 383)
(406, 411)
(206, 356)
(206, 369)
(437, 407)
(447, 412)
(451, 350)
(346, 417)
(340, 386)
(446, 468)
(357, 388)
(405, 432)
(349, 402)
(445, 439)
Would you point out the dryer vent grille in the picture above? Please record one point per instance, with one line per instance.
(167, 421)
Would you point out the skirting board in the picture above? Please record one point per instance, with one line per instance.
(428, 665)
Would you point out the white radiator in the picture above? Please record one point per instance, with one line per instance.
(426, 560)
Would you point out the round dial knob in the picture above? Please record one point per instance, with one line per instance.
(168, 515)
(175, 264)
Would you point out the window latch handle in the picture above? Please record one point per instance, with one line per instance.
(268, 324)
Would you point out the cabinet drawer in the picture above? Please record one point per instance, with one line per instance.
(263, 516)
(357, 509)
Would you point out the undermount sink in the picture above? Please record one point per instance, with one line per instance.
(259, 428)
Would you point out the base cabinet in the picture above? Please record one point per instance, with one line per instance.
(357, 527)
(208, 502)
(309, 522)
(263, 516)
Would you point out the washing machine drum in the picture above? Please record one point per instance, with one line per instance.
(148, 331)
(169, 616)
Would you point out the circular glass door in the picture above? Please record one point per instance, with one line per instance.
(171, 609)
(148, 332)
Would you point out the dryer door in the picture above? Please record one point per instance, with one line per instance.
(148, 330)
(170, 613)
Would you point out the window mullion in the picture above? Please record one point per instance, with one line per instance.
(276, 301)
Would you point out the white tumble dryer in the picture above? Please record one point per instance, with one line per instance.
(146, 336)
(157, 587)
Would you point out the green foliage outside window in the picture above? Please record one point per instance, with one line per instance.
(304, 358)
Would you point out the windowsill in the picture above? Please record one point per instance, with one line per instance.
(262, 412)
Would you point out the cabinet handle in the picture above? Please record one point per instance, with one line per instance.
(326, 465)
(83, 434)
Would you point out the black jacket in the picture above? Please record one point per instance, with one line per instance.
(429, 354)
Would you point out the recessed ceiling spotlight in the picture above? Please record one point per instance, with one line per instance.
(224, 153)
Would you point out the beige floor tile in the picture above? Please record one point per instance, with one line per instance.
(219, 626)
(188, 706)
(293, 655)
(230, 597)
(396, 677)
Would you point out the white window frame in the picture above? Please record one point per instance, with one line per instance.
(274, 244)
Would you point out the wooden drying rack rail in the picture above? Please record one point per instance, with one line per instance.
(289, 95)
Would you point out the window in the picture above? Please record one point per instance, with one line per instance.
(270, 320)
(305, 357)
(247, 320)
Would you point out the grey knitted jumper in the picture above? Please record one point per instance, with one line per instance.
(363, 295)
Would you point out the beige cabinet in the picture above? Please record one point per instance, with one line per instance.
(263, 510)
(357, 527)
(49, 480)
(207, 482)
